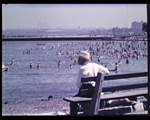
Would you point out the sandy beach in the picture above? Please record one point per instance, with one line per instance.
(54, 107)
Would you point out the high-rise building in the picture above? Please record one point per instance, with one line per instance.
(137, 25)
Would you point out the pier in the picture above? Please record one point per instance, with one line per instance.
(59, 38)
(69, 38)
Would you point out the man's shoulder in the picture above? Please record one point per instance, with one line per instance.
(99, 66)
(89, 64)
(85, 66)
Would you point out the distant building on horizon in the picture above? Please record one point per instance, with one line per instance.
(137, 26)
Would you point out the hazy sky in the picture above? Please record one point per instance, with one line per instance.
(72, 15)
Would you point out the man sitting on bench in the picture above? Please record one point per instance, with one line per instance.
(88, 69)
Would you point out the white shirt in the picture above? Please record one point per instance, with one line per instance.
(90, 69)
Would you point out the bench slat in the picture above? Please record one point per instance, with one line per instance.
(124, 94)
(108, 96)
(77, 99)
(125, 87)
(115, 77)
(121, 87)
(115, 110)
(124, 76)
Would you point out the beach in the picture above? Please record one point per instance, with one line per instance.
(53, 107)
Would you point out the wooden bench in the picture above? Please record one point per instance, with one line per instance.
(94, 105)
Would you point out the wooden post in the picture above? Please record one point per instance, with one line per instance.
(94, 105)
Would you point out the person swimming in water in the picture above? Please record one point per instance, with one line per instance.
(58, 64)
(31, 65)
(7, 69)
(116, 67)
(38, 65)
(127, 60)
(12, 61)
(70, 66)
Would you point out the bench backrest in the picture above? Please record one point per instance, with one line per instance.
(95, 102)
(118, 77)
(127, 86)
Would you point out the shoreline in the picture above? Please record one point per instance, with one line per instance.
(54, 107)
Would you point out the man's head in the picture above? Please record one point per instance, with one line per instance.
(84, 56)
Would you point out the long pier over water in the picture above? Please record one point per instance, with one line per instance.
(64, 38)
(59, 38)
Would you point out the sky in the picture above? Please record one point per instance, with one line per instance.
(17, 16)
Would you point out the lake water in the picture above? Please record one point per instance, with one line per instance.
(22, 83)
